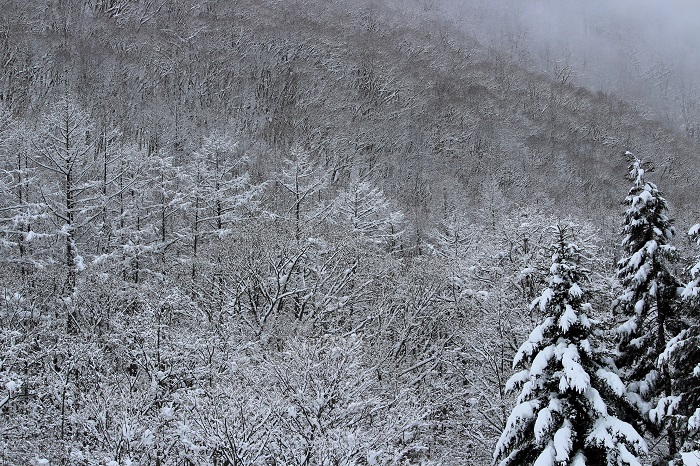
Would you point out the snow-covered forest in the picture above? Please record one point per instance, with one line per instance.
(329, 232)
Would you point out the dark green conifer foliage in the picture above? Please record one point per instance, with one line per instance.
(568, 408)
(680, 409)
(646, 302)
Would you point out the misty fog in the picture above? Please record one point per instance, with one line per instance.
(644, 51)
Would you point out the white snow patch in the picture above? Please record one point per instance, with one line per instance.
(691, 458)
(694, 421)
(568, 318)
(563, 442)
(652, 246)
(612, 380)
(13, 385)
(628, 457)
(541, 361)
(596, 401)
(636, 259)
(576, 376)
(575, 291)
(533, 341)
(610, 432)
(522, 412)
(79, 263)
(585, 345)
(546, 458)
(671, 346)
(516, 379)
(641, 274)
(664, 407)
(543, 300)
(627, 328)
(543, 423)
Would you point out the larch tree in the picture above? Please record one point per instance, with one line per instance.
(370, 214)
(219, 193)
(568, 409)
(18, 210)
(302, 182)
(131, 237)
(680, 409)
(162, 204)
(64, 151)
(647, 301)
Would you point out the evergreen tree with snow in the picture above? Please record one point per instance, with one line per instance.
(568, 408)
(649, 292)
(680, 409)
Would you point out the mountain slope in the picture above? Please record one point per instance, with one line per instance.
(360, 86)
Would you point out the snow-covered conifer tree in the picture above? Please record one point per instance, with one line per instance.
(218, 190)
(370, 213)
(649, 289)
(302, 181)
(18, 210)
(64, 153)
(680, 409)
(567, 411)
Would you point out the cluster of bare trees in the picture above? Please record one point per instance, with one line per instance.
(278, 232)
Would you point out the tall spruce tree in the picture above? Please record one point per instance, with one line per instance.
(567, 411)
(680, 409)
(647, 301)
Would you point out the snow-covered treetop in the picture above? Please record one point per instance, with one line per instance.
(647, 232)
(564, 276)
(692, 288)
(645, 217)
(561, 303)
(636, 173)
